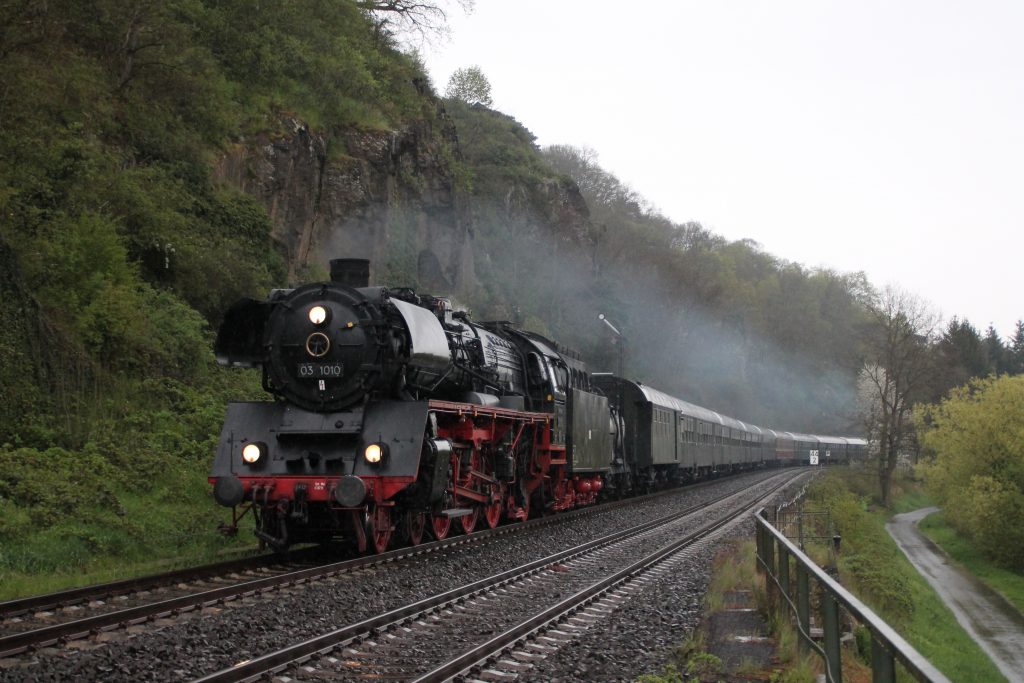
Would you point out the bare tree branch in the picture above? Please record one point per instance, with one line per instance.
(428, 21)
(897, 365)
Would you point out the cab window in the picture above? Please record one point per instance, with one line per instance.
(561, 373)
(536, 370)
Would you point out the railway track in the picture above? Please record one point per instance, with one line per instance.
(72, 597)
(486, 624)
(39, 621)
(68, 616)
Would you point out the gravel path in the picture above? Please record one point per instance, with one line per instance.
(995, 624)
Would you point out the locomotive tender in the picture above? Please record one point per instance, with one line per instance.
(395, 412)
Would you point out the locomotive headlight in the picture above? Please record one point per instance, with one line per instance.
(252, 453)
(375, 453)
(318, 315)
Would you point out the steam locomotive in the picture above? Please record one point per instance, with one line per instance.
(395, 414)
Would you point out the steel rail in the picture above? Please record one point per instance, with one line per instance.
(16, 643)
(465, 663)
(73, 596)
(273, 662)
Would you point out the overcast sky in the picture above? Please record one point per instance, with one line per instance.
(886, 137)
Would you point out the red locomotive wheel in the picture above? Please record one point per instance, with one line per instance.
(440, 525)
(378, 528)
(493, 512)
(468, 522)
(415, 524)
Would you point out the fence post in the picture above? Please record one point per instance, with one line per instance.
(784, 574)
(759, 542)
(883, 667)
(769, 560)
(803, 605)
(833, 655)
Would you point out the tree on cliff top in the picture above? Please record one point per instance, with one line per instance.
(469, 85)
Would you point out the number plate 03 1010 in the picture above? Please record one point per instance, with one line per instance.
(320, 370)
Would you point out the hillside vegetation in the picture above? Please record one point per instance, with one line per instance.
(120, 249)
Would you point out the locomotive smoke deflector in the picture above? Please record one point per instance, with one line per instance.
(429, 345)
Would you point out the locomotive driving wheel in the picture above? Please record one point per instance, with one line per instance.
(468, 522)
(468, 480)
(378, 527)
(415, 525)
(494, 509)
(493, 512)
(440, 526)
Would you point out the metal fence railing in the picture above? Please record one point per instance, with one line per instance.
(782, 562)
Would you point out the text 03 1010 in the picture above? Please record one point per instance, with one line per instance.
(320, 370)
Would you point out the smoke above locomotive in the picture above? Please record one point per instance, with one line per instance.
(395, 414)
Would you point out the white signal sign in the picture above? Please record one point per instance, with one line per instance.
(814, 457)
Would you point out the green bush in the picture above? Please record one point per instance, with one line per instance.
(54, 484)
(977, 474)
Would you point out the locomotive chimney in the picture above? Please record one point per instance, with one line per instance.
(354, 272)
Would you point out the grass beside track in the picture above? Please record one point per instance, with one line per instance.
(148, 536)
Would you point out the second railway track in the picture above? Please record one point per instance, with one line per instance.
(479, 621)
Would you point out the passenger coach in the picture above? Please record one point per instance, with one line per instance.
(669, 440)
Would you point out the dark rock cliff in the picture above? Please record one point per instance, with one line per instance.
(391, 197)
(388, 196)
